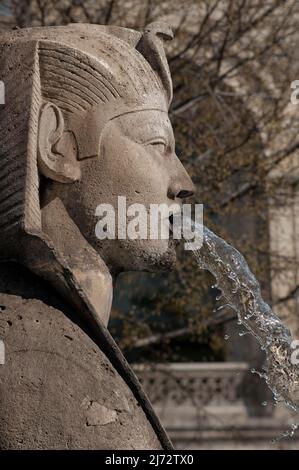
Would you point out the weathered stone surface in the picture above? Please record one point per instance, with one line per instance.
(85, 121)
(58, 390)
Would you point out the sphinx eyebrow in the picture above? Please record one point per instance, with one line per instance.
(157, 138)
(138, 110)
(151, 135)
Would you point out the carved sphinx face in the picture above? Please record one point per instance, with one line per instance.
(136, 159)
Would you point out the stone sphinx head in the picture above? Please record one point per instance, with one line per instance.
(85, 121)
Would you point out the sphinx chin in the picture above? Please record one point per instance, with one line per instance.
(165, 261)
(138, 255)
(158, 257)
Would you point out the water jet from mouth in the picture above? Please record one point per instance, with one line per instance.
(243, 294)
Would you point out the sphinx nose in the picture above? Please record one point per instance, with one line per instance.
(181, 186)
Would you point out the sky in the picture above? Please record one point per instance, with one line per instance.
(4, 7)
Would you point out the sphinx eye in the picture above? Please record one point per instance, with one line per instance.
(159, 145)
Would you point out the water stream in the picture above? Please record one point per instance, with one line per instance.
(243, 294)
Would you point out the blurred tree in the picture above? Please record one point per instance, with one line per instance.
(232, 65)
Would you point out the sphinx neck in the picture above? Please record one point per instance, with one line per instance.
(86, 268)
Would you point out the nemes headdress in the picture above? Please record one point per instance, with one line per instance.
(81, 69)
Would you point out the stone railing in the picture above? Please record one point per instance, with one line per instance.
(6, 22)
(198, 383)
(201, 407)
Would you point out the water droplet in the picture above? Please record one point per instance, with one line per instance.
(243, 333)
(221, 307)
(250, 315)
(240, 288)
(264, 403)
(226, 337)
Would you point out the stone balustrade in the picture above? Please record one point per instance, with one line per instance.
(206, 384)
(201, 407)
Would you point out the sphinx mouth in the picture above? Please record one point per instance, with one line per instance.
(175, 241)
(174, 218)
(171, 222)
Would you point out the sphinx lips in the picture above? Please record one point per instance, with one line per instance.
(175, 241)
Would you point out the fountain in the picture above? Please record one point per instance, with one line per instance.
(85, 121)
(243, 294)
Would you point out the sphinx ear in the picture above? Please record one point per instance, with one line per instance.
(57, 148)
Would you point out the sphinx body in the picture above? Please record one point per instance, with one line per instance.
(58, 390)
(85, 120)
